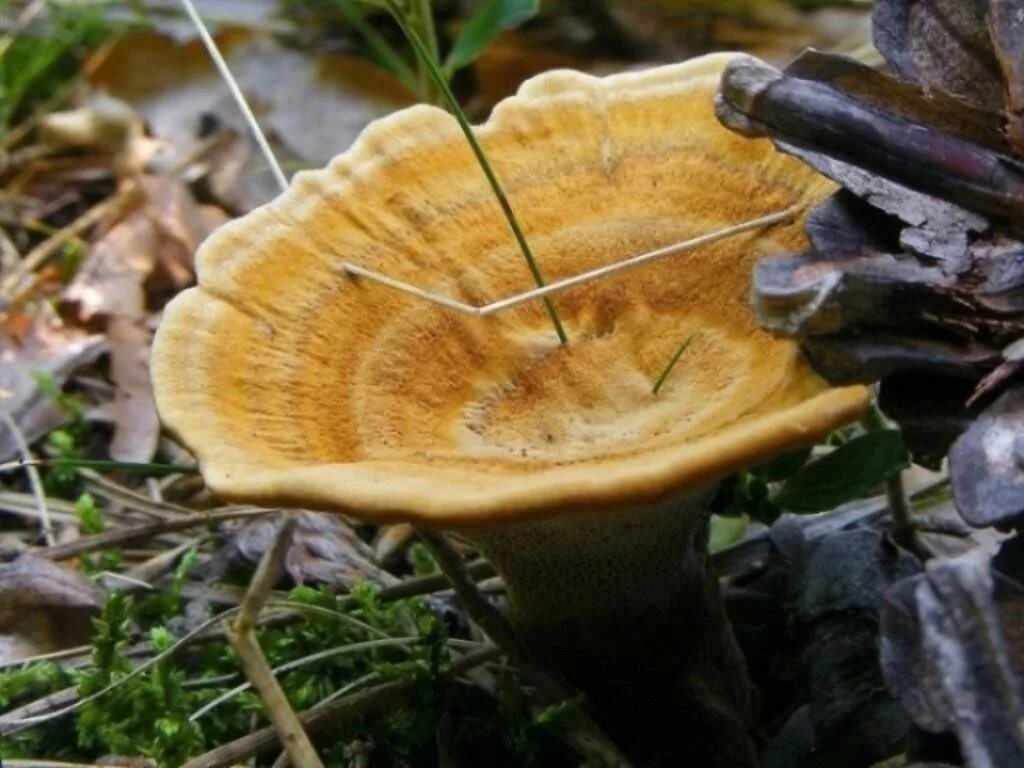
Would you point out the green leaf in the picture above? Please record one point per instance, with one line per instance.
(726, 531)
(847, 473)
(783, 466)
(491, 18)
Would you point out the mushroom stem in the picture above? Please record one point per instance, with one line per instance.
(583, 734)
(623, 604)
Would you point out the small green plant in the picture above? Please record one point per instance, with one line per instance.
(422, 559)
(184, 703)
(90, 516)
(412, 19)
(490, 19)
(63, 442)
(43, 56)
(162, 606)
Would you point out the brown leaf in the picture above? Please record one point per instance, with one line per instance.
(324, 550)
(182, 226)
(43, 607)
(311, 106)
(511, 59)
(110, 281)
(674, 29)
(137, 424)
(144, 258)
(46, 347)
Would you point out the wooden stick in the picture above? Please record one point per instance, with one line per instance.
(242, 636)
(38, 255)
(34, 481)
(125, 535)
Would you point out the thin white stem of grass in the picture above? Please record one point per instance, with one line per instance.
(322, 715)
(359, 682)
(424, 55)
(236, 93)
(146, 665)
(34, 763)
(672, 364)
(590, 276)
(34, 481)
(125, 579)
(366, 645)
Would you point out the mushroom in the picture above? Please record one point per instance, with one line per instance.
(297, 384)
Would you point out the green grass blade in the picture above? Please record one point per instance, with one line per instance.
(672, 364)
(435, 72)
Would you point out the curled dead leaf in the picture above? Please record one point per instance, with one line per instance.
(44, 607)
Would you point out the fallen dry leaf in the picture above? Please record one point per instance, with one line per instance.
(311, 106)
(43, 608)
(324, 550)
(110, 281)
(103, 123)
(137, 424)
(45, 347)
(147, 254)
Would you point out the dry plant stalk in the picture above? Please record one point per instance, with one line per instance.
(241, 635)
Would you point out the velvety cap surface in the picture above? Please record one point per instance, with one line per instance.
(296, 384)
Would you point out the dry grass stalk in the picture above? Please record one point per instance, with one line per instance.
(241, 634)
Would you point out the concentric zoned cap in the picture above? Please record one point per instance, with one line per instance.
(295, 383)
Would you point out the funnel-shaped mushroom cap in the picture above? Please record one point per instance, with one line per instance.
(296, 384)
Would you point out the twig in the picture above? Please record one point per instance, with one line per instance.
(331, 714)
(51, 245)
(425, 585)
(111, 491)
(583, 734)
(242, 636)
(236, 93)
(125, 466)
(483, 613)
(123, 536)
(35, 483)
